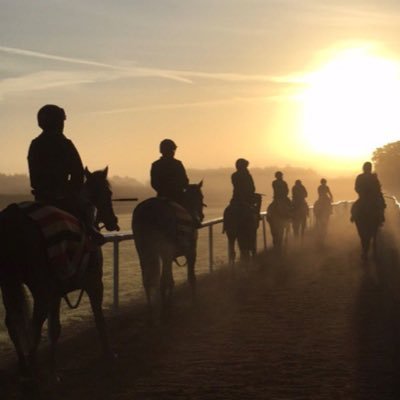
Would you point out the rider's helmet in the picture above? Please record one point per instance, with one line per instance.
(367, 167)
(51, 116)
(241, 163)
(278, 174)
(297, 182)
(167, 146)
(323, 181)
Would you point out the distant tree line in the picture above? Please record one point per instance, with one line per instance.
(217, 184)
(387, 165)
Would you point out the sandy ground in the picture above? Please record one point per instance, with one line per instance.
(313, 324)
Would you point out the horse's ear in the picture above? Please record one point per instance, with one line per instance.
(200, 184)
(105, 172)
(87, 172)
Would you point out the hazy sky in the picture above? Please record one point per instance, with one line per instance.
(223, 78)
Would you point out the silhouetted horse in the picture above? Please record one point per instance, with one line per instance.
(300, 214)
(279, 216)
(368, 217)
(241, 221)
(322, 212)
(24, 260)
(164, 230)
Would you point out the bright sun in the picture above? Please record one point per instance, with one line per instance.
(352, 104)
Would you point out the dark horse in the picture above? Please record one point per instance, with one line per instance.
(279, 216)
(368, 217)
(322, 212)
(241, 222)
(164, 230)
(24, 261)
(300, 214)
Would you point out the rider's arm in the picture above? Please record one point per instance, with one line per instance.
(183, 178)
(154, 177)
(35, 167)
(76, 168)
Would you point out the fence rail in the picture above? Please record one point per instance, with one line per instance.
(117, 237)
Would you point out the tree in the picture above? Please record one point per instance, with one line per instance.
(387, 166)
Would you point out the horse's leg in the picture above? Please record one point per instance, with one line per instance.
(95, 289)
(244, 246)
(374, 244)
(253, 244)
(303, 227)
(150, 266)
(39, 315)
(167, 282)
(365, 240)
(231, 250)
(191, 262)
(295, 225)
(54, 330)
(14, 304)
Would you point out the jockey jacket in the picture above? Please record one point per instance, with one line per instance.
(243, 186)
(280, 188)
(299, 193)
(55, 167)
(324, 192)
(168, 178)
(368, 187)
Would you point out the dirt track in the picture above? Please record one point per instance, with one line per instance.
(315, 324)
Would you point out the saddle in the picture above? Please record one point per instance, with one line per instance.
(67, 245)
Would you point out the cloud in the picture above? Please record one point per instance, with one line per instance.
(102, 72)
(131, 71)
(205, 103)
(177, 75)
(48, 80)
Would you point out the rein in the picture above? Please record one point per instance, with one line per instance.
(70, 305)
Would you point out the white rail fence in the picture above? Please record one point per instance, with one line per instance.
(118, 237)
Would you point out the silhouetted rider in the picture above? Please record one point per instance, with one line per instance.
(369, 189)
(168, 175)
(280, 187)
(367, 184)
(244, 190)
(324, 193)
(242, 181)
(55, 168)
(299, 192)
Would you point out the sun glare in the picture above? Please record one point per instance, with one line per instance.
(351, 104)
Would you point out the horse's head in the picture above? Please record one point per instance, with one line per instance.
(99, 194)
(194, 201)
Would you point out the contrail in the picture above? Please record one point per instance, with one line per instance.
(135, 71)
(176, 75)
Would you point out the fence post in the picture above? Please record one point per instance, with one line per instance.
(116, 273)
(211, 247)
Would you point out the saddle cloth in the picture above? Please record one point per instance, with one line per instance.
(184, 226)
(67, 245)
